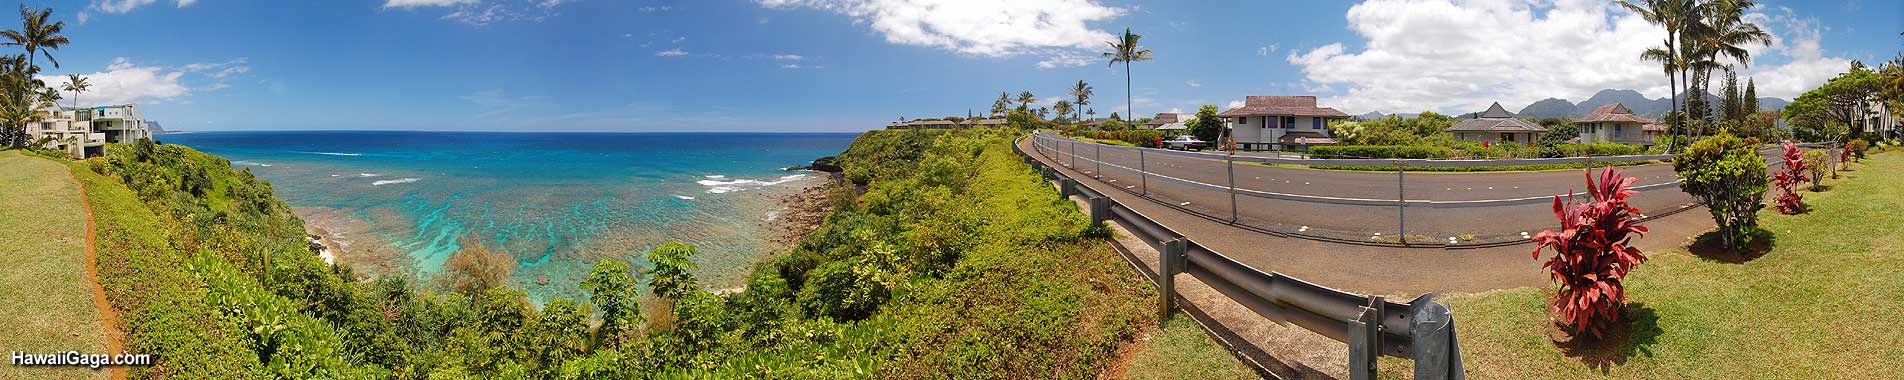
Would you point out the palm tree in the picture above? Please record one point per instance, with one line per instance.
(1719, 31)
(1081, 95)
(78, 84)
(1025, 99)
(36, 35)
(1125, 50)
(1004, 101)
(1673, 16)
(1062, 108)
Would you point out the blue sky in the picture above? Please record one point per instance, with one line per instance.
(850, 65)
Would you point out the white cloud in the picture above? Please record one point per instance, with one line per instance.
(1192, 83)
(986, 28)
(788, 57)
(655, 8)
(478, 13)
(126, 82)
(186, 3)
(118, 6)
(1234, 104)
(1461, 55)
(425, 3)
(1269, 49)
(670, 53)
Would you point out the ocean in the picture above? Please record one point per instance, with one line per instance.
(401, 202)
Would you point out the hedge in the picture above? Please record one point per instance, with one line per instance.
(1380, 151)
(1600, 149)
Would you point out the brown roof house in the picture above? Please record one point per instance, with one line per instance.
(1281, 122)
(1498, 126)
(1614, 123)
(1163, 119)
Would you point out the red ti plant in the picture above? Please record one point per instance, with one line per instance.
(1591, 254)
(1789, 202)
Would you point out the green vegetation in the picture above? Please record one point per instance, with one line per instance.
(1137, 137)
(49, 306)
(1381, 151)
(1466, 169)
(1727, 174)
(947, 257)
(1600, 149)
(1824, 114)
(1815, 307)
(1181, 350)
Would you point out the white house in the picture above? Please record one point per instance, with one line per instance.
(1497, 126)
(1281, 122)
(82, 131)
(1614, 123)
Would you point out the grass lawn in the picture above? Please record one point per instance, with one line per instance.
(1823, 303)
(1181, 350)
(46, 302)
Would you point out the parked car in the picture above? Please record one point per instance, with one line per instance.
(1186, 142)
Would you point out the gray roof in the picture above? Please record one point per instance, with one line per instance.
(1496, 119)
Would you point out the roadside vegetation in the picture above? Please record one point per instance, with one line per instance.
(1794, 312)
(947, 257)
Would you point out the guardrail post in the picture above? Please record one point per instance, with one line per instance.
(1363, 347)
(1169, 263)
(1229, 165)
(1401, 202)
(1431, 331)
(1066, 187)
(1100, 209)
(1097, 154)
(1143, 172)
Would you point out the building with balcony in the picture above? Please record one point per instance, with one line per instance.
(81, 132)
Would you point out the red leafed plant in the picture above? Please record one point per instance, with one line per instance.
(1592, 255)
(1789, 202)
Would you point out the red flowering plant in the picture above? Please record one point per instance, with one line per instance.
(1591, 254)
(1789, 202)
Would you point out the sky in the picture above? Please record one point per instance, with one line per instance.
(852, 65)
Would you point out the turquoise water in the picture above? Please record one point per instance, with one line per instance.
(401, 202)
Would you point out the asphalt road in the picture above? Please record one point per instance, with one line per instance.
(1483, 223)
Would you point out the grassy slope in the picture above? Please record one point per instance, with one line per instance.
(48, 305)
(1183, 351)
(1824, 303)
(161, 304)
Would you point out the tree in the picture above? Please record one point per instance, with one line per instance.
(670, 279)
(1839, 101)
(1062, 108)
(1025, 99)
(1207, 126)
(1727, 174)
(1081, 96)
(1672, 15)
(1125, 50)
(37, 35)
(476, 268)
(1732, 106)
(1750, 100)
(1002, 104)
(1720, 31)
(612, 290)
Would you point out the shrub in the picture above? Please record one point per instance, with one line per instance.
(1599, 149)
(1858, 147)
(1136, 137)
(1817, 166)
(1788, 201)
(1381, 151)
(1728, 175)
(1591, 255)
(613, 291)
(475, 268)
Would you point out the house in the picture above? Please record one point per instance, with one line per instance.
(83, 131)
(984, 122)
(1165, 118)
(1614, 123)
(1876, 117)
(1496, 125)
(1280, 122)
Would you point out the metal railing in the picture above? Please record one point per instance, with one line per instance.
(1422, 329)
(1417, 222)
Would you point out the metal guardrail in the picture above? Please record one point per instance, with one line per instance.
(1388, 161)
(1422, 329)
(1049, 142)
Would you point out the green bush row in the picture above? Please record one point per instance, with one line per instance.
(1381, 151)
(1599, 149)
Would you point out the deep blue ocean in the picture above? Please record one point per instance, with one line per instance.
(401, 202)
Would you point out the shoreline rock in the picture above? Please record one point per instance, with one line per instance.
(822, 164)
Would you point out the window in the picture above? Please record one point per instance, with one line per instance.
(1315, 123)
(1507, 137)
(1289, 122)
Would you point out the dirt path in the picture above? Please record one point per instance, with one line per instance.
(108, 318)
